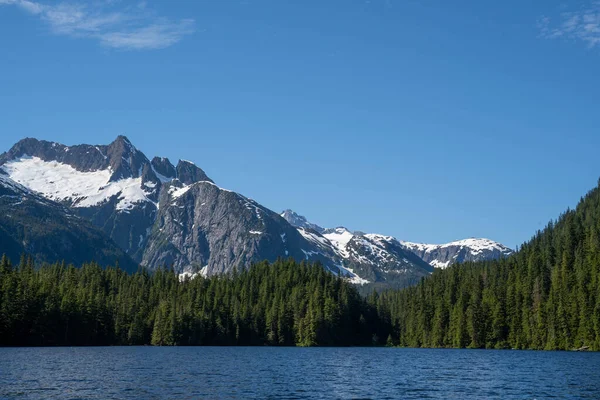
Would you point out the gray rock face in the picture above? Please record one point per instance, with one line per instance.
(204, 227)
(188, 173)
(163, 169)
(444, 255)
(120, 156)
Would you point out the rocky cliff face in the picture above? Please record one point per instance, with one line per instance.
(113, 186)
(202, 227)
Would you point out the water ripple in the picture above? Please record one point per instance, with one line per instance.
(295, 373)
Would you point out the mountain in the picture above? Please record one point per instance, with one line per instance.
(113, 186)
(376, 260)
(202, 227)
(443, 255)
(158, 213)
(116, 187)
(380, 258)
(49, 232)
(162, 214)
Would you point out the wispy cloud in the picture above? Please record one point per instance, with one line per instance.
(109, 22)
(582, 25)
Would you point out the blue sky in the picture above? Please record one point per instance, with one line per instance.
(427, 120)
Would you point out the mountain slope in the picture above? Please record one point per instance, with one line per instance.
(202, 227)
(49, 232)
(377, 260)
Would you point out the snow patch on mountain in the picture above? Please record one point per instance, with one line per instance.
(477, 246)
(339, 237)
(161, 177)
(177, 193)
(440, 264)
(61, 182)
(314, 237)
(444, 255)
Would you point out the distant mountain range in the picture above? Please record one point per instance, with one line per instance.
(379, 258)
(110, 202)
(444, 255)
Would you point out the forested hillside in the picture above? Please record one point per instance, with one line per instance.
(283, 303)
(546, 296)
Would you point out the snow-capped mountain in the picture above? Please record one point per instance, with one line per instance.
(160, 214)
(375, 259)
(444, 255)
(163, 214)
(113, 186)
(377, 254)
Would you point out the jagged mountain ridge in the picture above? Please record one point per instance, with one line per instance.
(348, 243)
(375, 259)
(160, 214)
(165, 214)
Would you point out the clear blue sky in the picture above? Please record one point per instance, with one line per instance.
(427, 120)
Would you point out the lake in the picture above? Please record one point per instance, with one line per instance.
(294, 373)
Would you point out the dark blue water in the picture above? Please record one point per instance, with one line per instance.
(295, 373)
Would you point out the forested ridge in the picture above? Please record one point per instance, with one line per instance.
(545, 296)
(283, 303)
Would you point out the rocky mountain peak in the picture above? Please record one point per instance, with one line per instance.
(188, 173)
(125, 160)
(299, 221)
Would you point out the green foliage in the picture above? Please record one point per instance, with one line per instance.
(277, 304)
(546, 296)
